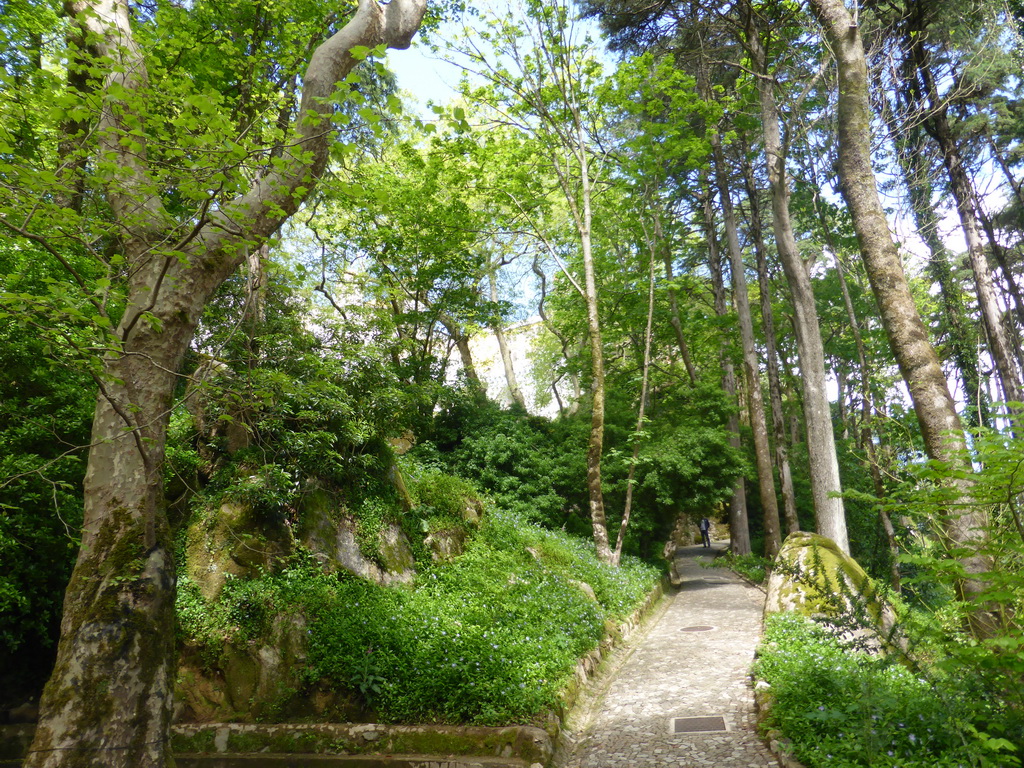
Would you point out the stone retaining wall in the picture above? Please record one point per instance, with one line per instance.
(521, 743)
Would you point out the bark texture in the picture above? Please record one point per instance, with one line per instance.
(918, 363)
(751, 365)
(739, 528)
(108, 701)
(789, 512)
(830, 516)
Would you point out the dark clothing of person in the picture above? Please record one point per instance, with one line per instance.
(705, 532)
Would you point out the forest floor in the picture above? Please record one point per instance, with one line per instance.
(678, 694)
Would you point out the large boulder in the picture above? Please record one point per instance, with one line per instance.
(812, 576)
(262, 678)
(446, 544)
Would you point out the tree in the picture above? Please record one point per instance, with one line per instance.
(936, 412)
(825, 484)
(191, 180)
(545, 89)
(751, 365)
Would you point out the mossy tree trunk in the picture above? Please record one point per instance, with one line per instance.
(108, 701)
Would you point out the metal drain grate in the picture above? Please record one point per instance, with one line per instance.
(701, 628)
(699, 724)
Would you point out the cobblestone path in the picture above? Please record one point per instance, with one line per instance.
(668, 671)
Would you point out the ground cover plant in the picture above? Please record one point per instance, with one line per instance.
(490, 638)
(843, 707)
(752, 567)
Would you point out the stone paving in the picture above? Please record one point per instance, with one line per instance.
(665, 672)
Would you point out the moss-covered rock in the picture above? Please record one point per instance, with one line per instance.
(332, 534)
(812, 576)
(446, 544)
(262, 678)
(396, 554)
(230, 541)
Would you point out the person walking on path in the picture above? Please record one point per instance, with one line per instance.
(705, 532)
(678, 693)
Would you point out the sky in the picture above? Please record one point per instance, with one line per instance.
(423, 75)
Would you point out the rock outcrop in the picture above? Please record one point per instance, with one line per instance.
(333, 536)
(231, 542)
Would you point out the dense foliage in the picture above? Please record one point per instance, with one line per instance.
(843, 707)
(45, 405)
(624, 210)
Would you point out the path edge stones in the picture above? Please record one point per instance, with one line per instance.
(579, 707)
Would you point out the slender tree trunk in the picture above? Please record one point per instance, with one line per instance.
(739, 528)
(506, 356)
(648, 333)
(771, 357)
(999, 253)
(839, 372)
(962, 188)
(582, 213)
(751, 366)
(826, 488)
(940, 426)
(595, 447)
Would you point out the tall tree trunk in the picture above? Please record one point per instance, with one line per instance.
(830, 516)
(964, 526)
(108, 701)
(868, 408)
(582, 213)
(739, 528)
(771, 356)
(751, 366)
(999, 253)
(595, 447)
(506, 356)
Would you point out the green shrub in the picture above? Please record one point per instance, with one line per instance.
(752, 567)
(441, 494)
